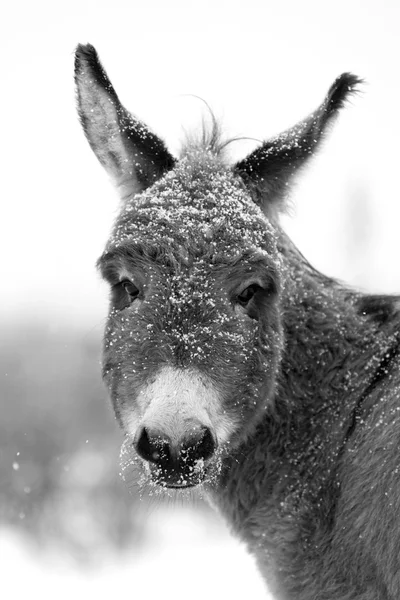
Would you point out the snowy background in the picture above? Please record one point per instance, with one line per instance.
(68, 526)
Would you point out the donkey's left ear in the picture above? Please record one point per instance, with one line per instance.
(132, 155)
(270, 168)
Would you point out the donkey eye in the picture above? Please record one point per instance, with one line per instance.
(247, 294)
(130, 288)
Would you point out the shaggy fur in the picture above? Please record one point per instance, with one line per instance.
(235, 367)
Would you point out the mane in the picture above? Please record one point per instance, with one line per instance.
(209, 138)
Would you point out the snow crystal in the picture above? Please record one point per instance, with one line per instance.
(200, 204)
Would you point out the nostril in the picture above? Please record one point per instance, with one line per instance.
(200, 445)
(206, 446)
(152, 448)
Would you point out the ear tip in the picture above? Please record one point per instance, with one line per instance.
(342, 88)
(85, 50)
(85, 53)
(350, 80)
(87, 63)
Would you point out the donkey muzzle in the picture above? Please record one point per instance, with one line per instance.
(177, 463)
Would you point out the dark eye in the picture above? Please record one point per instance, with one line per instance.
(130, 288)
(244, 297)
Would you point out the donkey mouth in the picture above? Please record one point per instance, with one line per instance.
(177, 478)
(181, 486)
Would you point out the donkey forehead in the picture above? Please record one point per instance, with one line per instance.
(200, 202)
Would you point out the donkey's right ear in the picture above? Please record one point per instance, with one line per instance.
(132, 155)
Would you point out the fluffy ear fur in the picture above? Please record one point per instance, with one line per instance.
(269, 169)
(132, 155)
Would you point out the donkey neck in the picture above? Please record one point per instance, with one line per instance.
(334, 345)
(334, 351)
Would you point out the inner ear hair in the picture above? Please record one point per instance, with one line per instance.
(132, 155)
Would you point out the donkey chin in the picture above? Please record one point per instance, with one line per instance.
(177, 428)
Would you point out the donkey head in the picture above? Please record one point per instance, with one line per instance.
(194, 335)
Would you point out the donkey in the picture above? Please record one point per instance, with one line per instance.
(235, 367)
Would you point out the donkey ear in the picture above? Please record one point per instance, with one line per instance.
(132, 155)
(269, 169)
